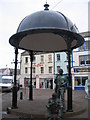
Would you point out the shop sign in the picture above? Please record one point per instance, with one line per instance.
(37, 76)
(81, 69)
(37, 65)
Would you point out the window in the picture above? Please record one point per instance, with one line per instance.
(81, 48)
(58, 68)
(58, 57)
(85, 46)
(80, 81)
(26, 59)
(83, 80)
(89, 45)
(88, 60)
(77, 81)
(26, 70)
(33, 69)
(84, 60)
(42, 69)
(42, 58)
(50, 69)
(49, 58)
(34, 58)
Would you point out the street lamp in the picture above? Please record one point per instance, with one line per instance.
(48, 31)
(14, 90)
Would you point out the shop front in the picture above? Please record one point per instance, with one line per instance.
(45, 81)
(39, 81)
(27, 82)
(79, 82)
(79, 77)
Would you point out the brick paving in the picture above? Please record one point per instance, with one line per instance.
(37, 107)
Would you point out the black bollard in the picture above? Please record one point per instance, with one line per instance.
(21, 95)
(8, 110)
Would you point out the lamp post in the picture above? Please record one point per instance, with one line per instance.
(14, 90)
(48, 31)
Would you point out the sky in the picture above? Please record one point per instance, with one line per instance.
(13, 11)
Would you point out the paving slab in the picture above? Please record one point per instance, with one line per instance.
(37, 107)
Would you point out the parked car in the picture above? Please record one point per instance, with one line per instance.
(6, 83)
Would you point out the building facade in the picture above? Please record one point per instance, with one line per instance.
(81, 58)
(42, 71)
(81, 65)
(61, 62)
(45, 68)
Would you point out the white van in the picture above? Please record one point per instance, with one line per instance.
(6, 83)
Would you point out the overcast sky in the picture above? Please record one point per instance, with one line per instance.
(13, 11)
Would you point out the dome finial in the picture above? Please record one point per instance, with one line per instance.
(46, 6)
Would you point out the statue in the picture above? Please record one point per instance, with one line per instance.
(53, 107)
(87, 88)
(61, 83)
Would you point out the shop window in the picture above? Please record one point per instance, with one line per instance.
(58, 57)
(26, 82)
(80, 81)
(49, 58)
(83, 80)
(88, 60)
(77, 81)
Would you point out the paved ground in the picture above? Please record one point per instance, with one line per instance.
(37, 107)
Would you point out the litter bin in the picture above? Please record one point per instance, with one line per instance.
(21, 95)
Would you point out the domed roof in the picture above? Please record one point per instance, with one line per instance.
(46, 30)
(46, 19)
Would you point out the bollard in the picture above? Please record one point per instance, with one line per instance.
(8, 110)
(21, 95)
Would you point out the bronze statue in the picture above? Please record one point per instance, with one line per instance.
(61, 83)
(56, 104)
(53, 107)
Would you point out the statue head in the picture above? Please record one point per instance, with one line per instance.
(54, 95)
(60, 71)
